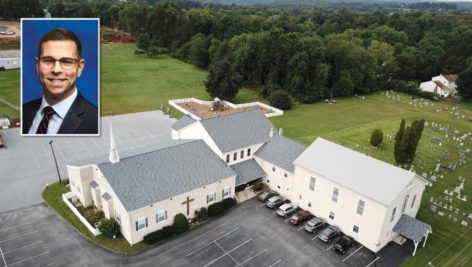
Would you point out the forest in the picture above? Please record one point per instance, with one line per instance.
(312, 53)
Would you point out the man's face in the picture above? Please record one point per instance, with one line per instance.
(58, 82)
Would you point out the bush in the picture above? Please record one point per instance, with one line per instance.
(109, 228)
(215, 209)
(258, 187)
(180, 224)
(168, 230)
(280, 99)
(376, 137)
(154, 237)
(139, 52)
(202, 214)
(228, 203)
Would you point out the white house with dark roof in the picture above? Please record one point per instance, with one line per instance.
(208, 160)
(442, 85)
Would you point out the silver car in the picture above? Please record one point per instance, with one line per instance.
(285, 210)
(274, 201)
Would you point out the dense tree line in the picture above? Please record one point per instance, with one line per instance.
(312, 53)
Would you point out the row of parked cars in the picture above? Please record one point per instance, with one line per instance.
(313, 224)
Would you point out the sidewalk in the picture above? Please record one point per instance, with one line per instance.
(246, 194)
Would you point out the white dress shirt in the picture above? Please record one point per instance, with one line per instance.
(56, 119)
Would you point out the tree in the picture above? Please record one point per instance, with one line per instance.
(180, 223)
(280, 99)
(464, 83)
(344, 86)
(143, 42)
(223, 81)
(399, 147)
(376, 138)
(416, 130)
(109, 227)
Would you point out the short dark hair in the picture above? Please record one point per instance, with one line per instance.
(60, 34)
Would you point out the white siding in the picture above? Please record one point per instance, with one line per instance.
(277, 181)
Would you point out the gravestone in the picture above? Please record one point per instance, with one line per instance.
(456, 211)
(464, 223)
(433, 208)
(450, 208)
(455, 219)
(434, 178)
(431, 199)
(440, 213)
(449, 217)
(470, 216)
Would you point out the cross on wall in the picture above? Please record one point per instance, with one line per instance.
(188, 204)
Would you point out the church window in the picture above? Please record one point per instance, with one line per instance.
(360, 207)
(355, 229)
(226, 192)
(161, 216)
(335, 195)
(312, 183)
(242, 154)
(331, 215)
(393, 214)
(117, 218)
(141, 223)
(235, 156)
(413, 202)
(405, 202)
(227, 158)
(211, 198)
(248, 152)
(285, 174)
(273, 169)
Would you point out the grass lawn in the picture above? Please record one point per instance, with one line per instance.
(10, 91)
(133, 83)
(53, 197)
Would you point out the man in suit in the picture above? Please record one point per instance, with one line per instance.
(62, 109)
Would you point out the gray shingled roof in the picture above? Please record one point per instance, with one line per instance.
(184, 121)
(93, 184)
(238, 130)
(247, 171)
(281, 152)
(412, 228)
(148, 178)
(370, 177)
(106, 196)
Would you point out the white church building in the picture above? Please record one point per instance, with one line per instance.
(209, 159)
(442, 85)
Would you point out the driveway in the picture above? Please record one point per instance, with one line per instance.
(26, 165)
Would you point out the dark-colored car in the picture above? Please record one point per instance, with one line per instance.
(265, 195)
(276, 201)
(329, 233)
(315, 224)
(299, 217)
(343, 244)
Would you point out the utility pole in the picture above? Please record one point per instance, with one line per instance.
(55, 161)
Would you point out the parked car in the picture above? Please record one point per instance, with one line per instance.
(299, 217)
(343, 244)
(265, 195)
(329, 233)
(315, 224)
(286, 209)
(276, 201)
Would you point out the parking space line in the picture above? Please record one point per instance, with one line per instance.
(30, 245)
(373, 261)
(30, 258)
(274, 212)
(353, 253)
(227, 252)
(329, 248)
(50, 264)
(212, 241)
(262, 205)
(264, 250)
(315, 237)
(286, 220)
(3, 257)
(300, 228)
(275, 263)
(18, 236)
(16, 226)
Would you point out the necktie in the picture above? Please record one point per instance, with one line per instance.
(43, 125)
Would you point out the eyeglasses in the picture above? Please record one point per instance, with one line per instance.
(65, 62)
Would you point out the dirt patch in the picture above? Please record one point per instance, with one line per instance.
(10, 41)
(206, 112)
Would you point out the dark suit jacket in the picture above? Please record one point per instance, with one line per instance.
(82, 117)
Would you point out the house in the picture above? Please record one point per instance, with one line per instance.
(212, 158)
(442, 85)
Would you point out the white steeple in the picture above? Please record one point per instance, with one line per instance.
(113, 157)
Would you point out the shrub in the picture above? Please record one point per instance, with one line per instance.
(229, 202)
(109, 228)
(180, 224)
(168, 230)
(376, 137)
(280, 99)
(154, 237)
(139, 52)
(202, 214)
(258, 187)
(215, 209)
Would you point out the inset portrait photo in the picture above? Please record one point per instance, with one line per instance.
(60, 83)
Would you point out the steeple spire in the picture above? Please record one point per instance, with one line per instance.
(113, 157)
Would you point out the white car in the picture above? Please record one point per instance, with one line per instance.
(285, 210)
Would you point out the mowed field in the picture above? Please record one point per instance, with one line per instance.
(133, 83)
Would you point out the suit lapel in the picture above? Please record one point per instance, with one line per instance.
(73, 118)
(29, 111)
